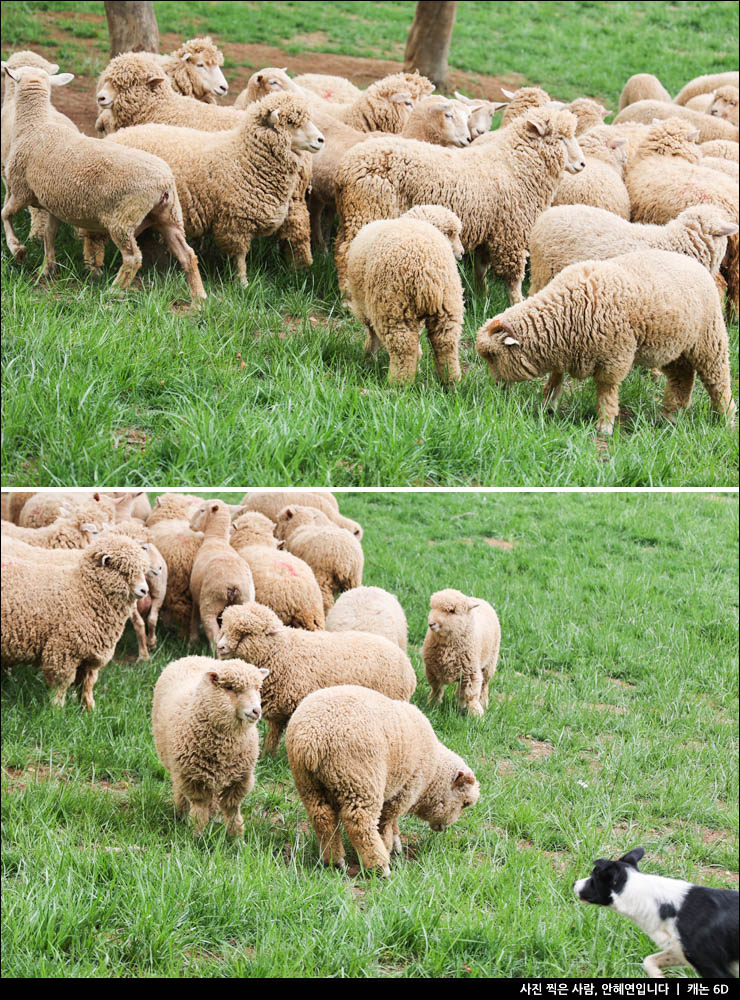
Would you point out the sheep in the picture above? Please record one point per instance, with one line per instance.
(357, 756)
(334, 555)
(702, 102)
(705, 84)
(600, 182)
(643, 87)
(13, 503)
(221, 178)
(141, 508)
(709, 126)
(194, 70)
(461, 647)
(481, 113)
(301, 662)
(569, 234)
(489, 187)
(331, 88)
(220, 576)
(282, 581)
(522, 102)
(402, 276)
(132, 190)
(72, 530)
(266, 81)
(270, 504)
(68, 619)
(168, 527)
(590, 114)
(725, 104)
(204, 715)
(599, 319)
(369, 609)
(42, 509)
(724, 166)
(721, 147)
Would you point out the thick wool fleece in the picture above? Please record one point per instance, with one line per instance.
(15, 548)
(281, 580)
(497, 190)
(13, 504)
(461, 647)
(402, 276)
(270, 504)
(334, 555)
(384, 107)
(68, 619)
(43, 509)
(235, 184)
(569, 234)
(600, 182)
(266, 81)
(706, 84)
(145, 614)
(169, 524)
(725, 104)
(599, 319)
(724, 166)
(331, 88)
(590, 114)
(220, 576)
(203, 719)
(301, 662)
(708, 126)
(643, 87)
(182, 70)
(362, 758)
(525, 99)
(369, 609)
(72, 532)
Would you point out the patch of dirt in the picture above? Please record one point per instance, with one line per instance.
(614, 709)
(500, 543)
(505, 768)
(19, 778)
(723, 873)
(130, 438)
(536, 749)
(311, 40)
(620, 683)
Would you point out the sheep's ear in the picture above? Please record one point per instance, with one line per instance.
(274, 117)
(185, 56)
(104, 560)
(462, 97)
(59, 79)
(496, 325)
(214, 507)
(154, 81)
(473, 604)
(401, 97)
(633, 856)
(213, 677)
(258, 78)
(263, 672)
(284, 69)
(508, 93)
(725, 229)
(53, 69)
(463, 778)
(12, 73)
(497, 105)
(533, 125)
(511, 342)
(288, 512)
(616, 142)
(694, 136)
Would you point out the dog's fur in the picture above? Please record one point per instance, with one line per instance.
(692, 924)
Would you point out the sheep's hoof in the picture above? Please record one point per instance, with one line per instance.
(20, 253)
(384, 871)
(669, 415)
(152, 642)
(143, 657)
(397, 845)
(95, 272)
(475, 709)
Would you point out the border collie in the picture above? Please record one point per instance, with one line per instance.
(693, 925)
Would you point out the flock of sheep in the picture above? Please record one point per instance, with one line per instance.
(631, 228)
(263, 579)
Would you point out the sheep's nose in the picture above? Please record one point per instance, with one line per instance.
(320, 139)
(101, 99)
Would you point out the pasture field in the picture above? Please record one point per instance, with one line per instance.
(613, 723)
(270, 385)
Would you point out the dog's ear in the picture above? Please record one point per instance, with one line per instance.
(633, 856)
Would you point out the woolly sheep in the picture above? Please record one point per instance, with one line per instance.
(481, 113)
(13, 504)
(362, 758)
(270, 504)
(725, 104)
(70, 531)
(402, 276)
(461, 647)
(705, 84)
(169, 529)
(281, 580)
(522, 101)
(600, 182)
(132, 190)
(204, 715)
(369, 609)
(221, 178)
(569, 234)
(331, 88)
(599, 319)
(709, 126)
(643, 87)
(588, 113)
(42, 509)
(265, 81)
(301, 662)
(194, 70)
(721, 147)
(334, 555)
(68, 619)
(721, 164)
(488, 186)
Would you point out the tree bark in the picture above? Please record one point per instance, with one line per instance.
(428, 44)
(132, 27)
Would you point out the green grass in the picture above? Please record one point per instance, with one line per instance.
(613, 723)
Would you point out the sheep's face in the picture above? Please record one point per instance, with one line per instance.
(269, 81)
(296, 516)
(206, 61)
(127, 74)
(712, 227)
(725, 104)
(456, 790)
(556, 127)
(498, 343)
(157, 566)
(450, 612)
(244, 624)
(233, 691)
(305, 138)
(205, 513)
(119, 565)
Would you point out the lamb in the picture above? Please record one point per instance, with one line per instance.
(708, 126)
(402, 276)
(721, 147)
(270, 504)
(204, 716)
(488, 186)
(362, 758)
(653, 308)
(461, 647)
(481, 114)
(73, 530)
(643, 87)
(331, 88)
(132, 190)
(281, 580)
(600, 182)
(220, 576)
(194, 70)
(569, 234)
(369, 609)
(68, 619)
(725, 104)
(221, 178)
(334, 555)
(169, 529)
(301, 662)
(705, 84)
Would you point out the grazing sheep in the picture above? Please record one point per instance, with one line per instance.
(331, 88)
(725, 104)
(220, 576)
(194, 70)
(203, 719)
(369, 609)
(461, 647)
(708, 126)
(599, 319)
(488, 186)
(132, 191)
(221, 179)
(569, 234)
(362, 758)
(600, 182)
(73, 530)
(270, 504)
(169, 529)
(334, 555)
(721, 147)
(402, 277)
(705, 84)
(281, 580)
(643, 87)
(301, 662)
(481, 114)
(68, 619)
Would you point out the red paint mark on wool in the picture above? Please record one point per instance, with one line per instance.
(289, 568)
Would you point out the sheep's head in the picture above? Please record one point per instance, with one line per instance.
(253, 528)
(446, 122)
(208, 512)
(288, 114)
(269, 81)
(129, 74)
(173, 506)
(481, 114)
(453, 789)
(205, 60)
(442, 219)
(390, 101)
(26, 58)
(725, 104)
(553, 127)
(157, 566)
(711, 225)
(297, 516)
(231, 690)
(602, 143)
(33, 79)
(450, 612)
(418, 86)
(588, 112)
(244, 629)
(670, 137)
(523, 100)
(118, 566)
(500, 346)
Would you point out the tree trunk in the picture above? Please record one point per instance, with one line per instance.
(428, 44)
(132, 27)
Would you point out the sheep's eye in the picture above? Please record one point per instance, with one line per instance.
(448, 114)
(228, 687)
(466, 804)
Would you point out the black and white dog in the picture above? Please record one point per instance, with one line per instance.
(693, 925)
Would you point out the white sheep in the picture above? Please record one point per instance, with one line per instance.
(270, 504)
(369, 609)
(600, 182)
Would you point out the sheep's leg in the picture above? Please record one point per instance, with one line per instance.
(230, 801)
(373, 343)
(151, 624)
(607, 404)
(444, 336)
(481, 264)
(403, 349)
(50, 235)
(388, 828)
(182, 804)
(295, 232)
(39, 218)
(194, 623)
(316, 210)
(275, 727)
(322, 815)
(327, 593)
(210, 611)
(11, 206)
(361, 823)
(130, 258)
(240, 263)
(86, 691)
(200, 814)
(469, 693)
(552, 391)
(714, 373)
(680, 376)
(174, 237)
(514, 288)
(437, 693)
(138, 622)
(93, 251)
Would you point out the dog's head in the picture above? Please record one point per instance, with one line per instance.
(608, 879)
